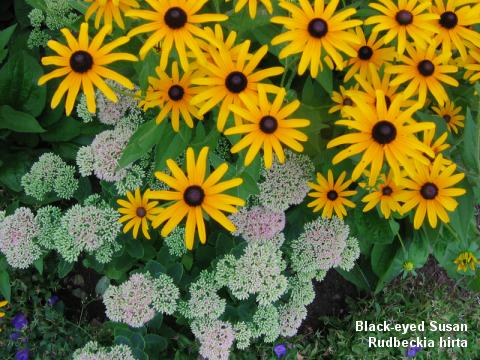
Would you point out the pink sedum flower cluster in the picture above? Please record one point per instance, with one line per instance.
(258, 223)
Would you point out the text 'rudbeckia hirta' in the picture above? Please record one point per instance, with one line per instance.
(252, 6)
(424, 71)
(314, 30)
(194, 194)
(172, 94)
(83, 64)
(267, 126)
(404, 21)
(109, 10)
(430, 191)
(137, 212)
(331, 195)
(230, 77)
(381, 133)
(174, 23)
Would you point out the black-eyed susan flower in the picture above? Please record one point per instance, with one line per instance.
(370, 54)
(110, 11)
(451, 114)
(374, 82)
(331, 195)
(341, 99)
(454, 32)
(381, 133)
(404, 20)
(137, 212)
(172, 94)
(192, 195)
(268, 126)
(437, 145)
(430, 191)
(3, 303)
(472, 66)
(252, 6)
(425, 72)
(174, 23)
(466, 260)
(82, 63)
(312, 31)
(229, 78)
(387, 193)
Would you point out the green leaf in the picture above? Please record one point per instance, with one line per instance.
(39, 265)
(18, 121)
(64, 267)
(155, 343)
(142, 142)
(471, 145)
(225, 244)
(381, 258)
(5, 285)
(134, 248)
(5, 36)
(325, 79)
(176, 272)
(154, 268)
(102, 285)
(18, 84)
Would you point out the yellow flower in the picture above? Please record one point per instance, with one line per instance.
(408, 266)
(83, 64)
(370, 55)
(231, 78)
(437, 145)
(174, 23)
(372, 83)
(330, 195)
(404, 21)
(137, 211)
(317, 30)
(381, 133)
(430, 191)
(172, 94)
(109, 10)
(3, 304)
(341, 99)
(252, 6)
(192, 195)
(268, 126)
(424, 72)
(472, 66)
(454, 26)
(451, 115)
(388, 194)
(466, 260)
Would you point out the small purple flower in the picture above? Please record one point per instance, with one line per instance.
(413, 350)
(280, 350)
(19, 321)
(53, 300)
(22, 354)
(15, 336)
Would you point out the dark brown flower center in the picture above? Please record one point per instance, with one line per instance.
(236, 82)
(332, 195)
(268, 124)
(448, 20)
(194, 195)
(318, 28)
(175, 18)
(81, 61)
(141, 212)
(426, 67)
(387, 191)
(384, 132)
(176, 92)
(365, 52)
(429, 191)
(404, 17)
(347, 102)
(447, 118)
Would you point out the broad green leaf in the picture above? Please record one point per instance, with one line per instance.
(18, 84)
(155, 343)
(39, 265)
(5, 36)
(471, 145)
(64, 267)
(18, 121)
(5, 285)
(102, 285)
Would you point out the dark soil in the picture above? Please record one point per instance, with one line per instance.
(78, 295)
(330, 300)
